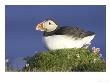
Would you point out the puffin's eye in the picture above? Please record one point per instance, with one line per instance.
(49, 23)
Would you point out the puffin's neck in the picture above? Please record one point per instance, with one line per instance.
(50, 33)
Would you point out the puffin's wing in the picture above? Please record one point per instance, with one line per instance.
(74, 32)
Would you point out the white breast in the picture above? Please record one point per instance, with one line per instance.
(62, 41)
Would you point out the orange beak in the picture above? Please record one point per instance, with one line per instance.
(40, 26)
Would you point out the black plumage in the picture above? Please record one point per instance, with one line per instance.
(70, 31)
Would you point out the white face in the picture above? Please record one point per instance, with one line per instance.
(47, 26)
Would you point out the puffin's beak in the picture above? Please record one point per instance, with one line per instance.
(40, 26)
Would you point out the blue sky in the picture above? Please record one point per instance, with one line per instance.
(20, 21)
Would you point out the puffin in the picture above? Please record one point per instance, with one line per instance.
(56, 37)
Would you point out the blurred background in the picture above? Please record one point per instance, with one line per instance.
(23, 40)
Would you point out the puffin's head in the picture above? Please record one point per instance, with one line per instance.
(47, 25)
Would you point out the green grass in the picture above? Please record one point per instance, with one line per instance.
(66, 60)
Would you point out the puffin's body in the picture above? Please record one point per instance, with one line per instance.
(56, 37)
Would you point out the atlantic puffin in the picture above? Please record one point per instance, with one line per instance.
(56, 37)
